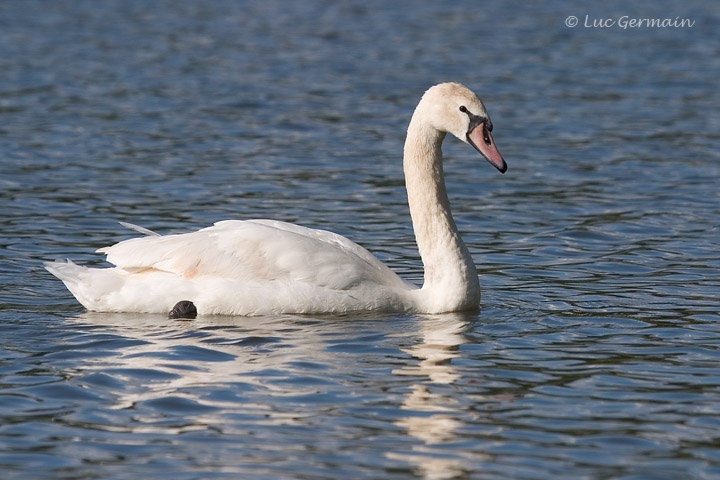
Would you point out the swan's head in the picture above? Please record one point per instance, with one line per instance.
(455, 109)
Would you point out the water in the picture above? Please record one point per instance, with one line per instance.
(595, 354)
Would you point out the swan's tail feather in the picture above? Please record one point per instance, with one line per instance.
(87, 285)
(139, 229)
(70, 274)
(108, 289)
(65, 271)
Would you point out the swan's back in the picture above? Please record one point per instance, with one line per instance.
(240, 268)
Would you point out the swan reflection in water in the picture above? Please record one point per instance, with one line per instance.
(186, 358)
(286, 371)
(437, 413)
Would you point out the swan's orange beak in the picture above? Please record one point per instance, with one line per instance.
(481, 138)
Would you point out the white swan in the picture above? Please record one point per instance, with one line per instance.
(256, 267)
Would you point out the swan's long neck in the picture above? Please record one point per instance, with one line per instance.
(451, 281)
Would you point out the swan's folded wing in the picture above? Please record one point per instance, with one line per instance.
(255, 251)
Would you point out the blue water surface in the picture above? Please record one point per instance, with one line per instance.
(595, 355)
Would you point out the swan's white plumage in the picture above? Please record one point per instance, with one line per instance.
(238, 267)
(265, 266)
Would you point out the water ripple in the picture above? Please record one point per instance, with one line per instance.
(595, 354)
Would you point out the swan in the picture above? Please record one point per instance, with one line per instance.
(258, 267)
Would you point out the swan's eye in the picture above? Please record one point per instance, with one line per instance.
(463, 109)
